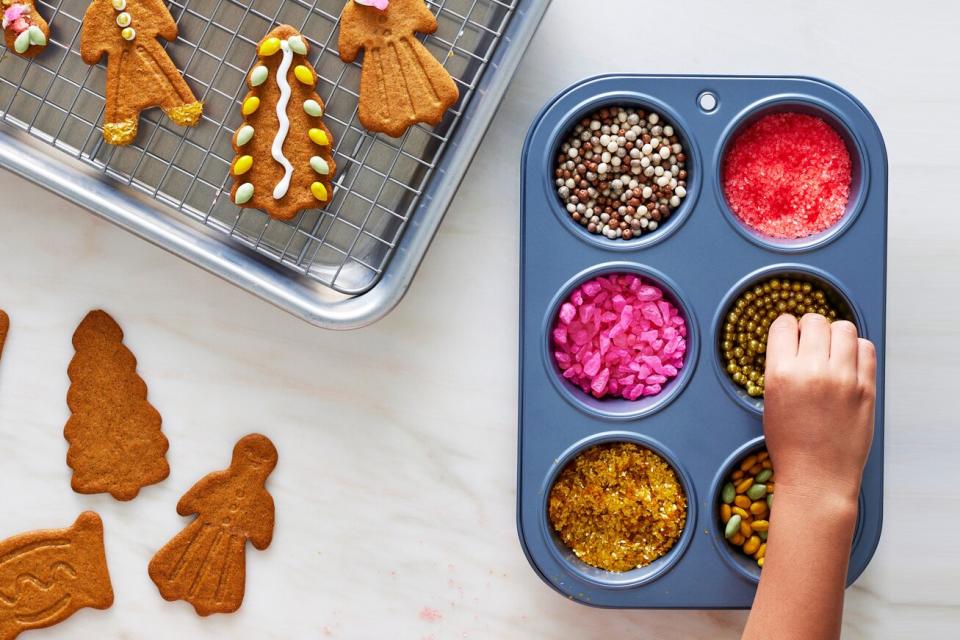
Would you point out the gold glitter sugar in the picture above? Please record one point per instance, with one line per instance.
(618, 506)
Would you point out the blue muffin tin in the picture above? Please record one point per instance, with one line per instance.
(702, 257)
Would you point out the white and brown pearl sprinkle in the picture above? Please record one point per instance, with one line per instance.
(621, 172)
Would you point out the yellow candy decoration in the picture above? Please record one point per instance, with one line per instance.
(242, 164)
(270, 46)
(250, 105)
(319, 191)
(319, 136)
(303, 74)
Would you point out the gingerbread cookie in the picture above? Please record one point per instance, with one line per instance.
(205, 563)
(47, 576)
(284, 162)
(4, 328)
(24, 29)
(401, 82)
(116, 445)
(140, 74)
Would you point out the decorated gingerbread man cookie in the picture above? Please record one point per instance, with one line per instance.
(140, 74)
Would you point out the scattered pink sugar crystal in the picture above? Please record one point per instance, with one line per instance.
(430, 615)
(616, 336)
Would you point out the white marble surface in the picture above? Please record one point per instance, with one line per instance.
(395, 487)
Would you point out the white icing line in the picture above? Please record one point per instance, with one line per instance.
(277, 150)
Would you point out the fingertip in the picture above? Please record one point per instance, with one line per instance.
(783, 337)
(812, 319)
(783, 322)
(843, 345)
(814, 336)
(844, 326)
(866, 362)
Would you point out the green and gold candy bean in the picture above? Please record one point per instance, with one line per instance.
(745, 503)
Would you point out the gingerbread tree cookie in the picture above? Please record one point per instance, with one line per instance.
(140, 74)
(284, 161)
(116, 445)
(205, 564)
(401, 82)
(24, 29)
(47, 576)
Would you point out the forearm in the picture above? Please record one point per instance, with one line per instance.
(801, 587)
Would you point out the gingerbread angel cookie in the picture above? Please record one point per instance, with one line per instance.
(401, 82)
(47, 576)
(284, 162)
(116, 445)
(140, 74)
(24, 29)
(205, 564)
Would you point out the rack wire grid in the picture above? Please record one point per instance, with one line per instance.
(59, 99)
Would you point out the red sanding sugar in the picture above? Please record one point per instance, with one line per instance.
(788, 175)
(617, 336)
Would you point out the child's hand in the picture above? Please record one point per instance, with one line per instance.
(818, 405)
(818, 419)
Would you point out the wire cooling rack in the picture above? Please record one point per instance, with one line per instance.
(381, 181)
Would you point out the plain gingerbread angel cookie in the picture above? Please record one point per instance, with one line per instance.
(205, 564)
(401, 83)
(140, 74)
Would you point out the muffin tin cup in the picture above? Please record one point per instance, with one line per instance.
(625, 99)
(621, 408)
(701, 258)
(739, 562)
(859, 168)
(613, 579)
(790, 270)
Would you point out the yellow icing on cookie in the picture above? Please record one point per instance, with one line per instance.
(242, 164)
(250, 105)
(303, 74)
(319, 191)
(319, 136)
(270, 46)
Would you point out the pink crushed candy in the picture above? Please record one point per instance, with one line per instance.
(617, 336)
(377, 4)
(14, 15)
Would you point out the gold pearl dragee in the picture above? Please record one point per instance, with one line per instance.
(743, 343)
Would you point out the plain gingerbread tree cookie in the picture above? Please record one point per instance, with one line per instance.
(116, 445)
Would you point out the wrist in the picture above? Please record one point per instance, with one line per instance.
(839, 503)
(816, 483)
